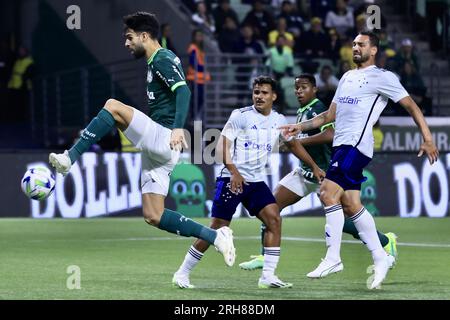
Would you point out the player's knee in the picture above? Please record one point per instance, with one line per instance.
(113, 106)
(273, 222)
(326, 198)
(152, 217)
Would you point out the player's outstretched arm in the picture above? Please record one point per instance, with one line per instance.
(318, 121)
(299, 151)
(428, 145)
(324, 137)
(223, 151)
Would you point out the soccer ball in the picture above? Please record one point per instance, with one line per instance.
(38, 183)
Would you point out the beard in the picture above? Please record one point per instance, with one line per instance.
(139, 52)
(362, 58)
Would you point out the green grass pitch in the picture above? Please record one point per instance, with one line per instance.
(123, 258)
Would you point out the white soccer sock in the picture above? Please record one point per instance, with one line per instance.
(333, 232)
(271, 257)
(193, 256)
(367, 230)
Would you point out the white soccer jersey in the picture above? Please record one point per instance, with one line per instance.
(361, 96)
(253, 137)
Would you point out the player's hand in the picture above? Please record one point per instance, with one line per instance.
(237, 183)
(177, 140)
(430, 149)
(319, 174)
(290, 130)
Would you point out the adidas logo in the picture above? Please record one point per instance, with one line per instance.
(335, 164)
(254, 127)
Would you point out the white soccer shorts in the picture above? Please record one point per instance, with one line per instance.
(158, 160)
(295, 182)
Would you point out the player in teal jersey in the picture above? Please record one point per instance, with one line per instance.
(300, 182)
(159, 136)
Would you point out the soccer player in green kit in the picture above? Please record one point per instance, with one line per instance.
(159, 136)
(300, 182)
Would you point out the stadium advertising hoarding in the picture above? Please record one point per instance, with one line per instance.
(107, 184)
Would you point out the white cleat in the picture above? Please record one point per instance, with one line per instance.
(273, 282)
(326, 268)
(182, 281)
(224, 244)
(380, 270)
(61, 162)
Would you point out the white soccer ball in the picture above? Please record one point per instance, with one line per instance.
(38, 183)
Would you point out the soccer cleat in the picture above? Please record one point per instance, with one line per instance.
(224, 244)
(257, 262)
(182, 281)
(380, 270)
(326, 268)
(391, 247)
(273, 282)
(61, 162)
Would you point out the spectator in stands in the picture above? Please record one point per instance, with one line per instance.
(293, 19)
(228, 36)
(346, 52)
(281, 61)
(203, 19)
(321, 8)
(281, 30)
(335, 46)
(196, 74)
(315, 42)
(260, 19)
(385, 41)
(360, 25)
(6, 64)
(341, 18)
(406, 54)
(344, 66)
(413, 83)
(326, 84)
(20, 85)
(223, 11)
(166, 37)
(250, 48)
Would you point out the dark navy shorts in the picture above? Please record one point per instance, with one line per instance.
(346, 167)
(255, 197)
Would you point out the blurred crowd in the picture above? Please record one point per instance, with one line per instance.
(306, 36)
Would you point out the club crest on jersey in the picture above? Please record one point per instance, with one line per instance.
(149, 76)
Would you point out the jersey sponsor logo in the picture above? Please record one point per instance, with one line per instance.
(258, 146)
(175, 69)
(349, 100)
(151, 95)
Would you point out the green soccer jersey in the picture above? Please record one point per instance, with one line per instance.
(320, 153)
(164, 75)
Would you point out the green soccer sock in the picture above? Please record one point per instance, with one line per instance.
(263, 232)
(349, 227)
(174, 222)
(96, 129)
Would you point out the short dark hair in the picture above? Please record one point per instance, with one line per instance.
(373, 38)
(308, 77)
(142, 22)
(265, 80)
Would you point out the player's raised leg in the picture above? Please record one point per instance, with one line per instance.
(365, 224)
(330, 194)
(174, 222)
(195, 254)
(113, 114)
